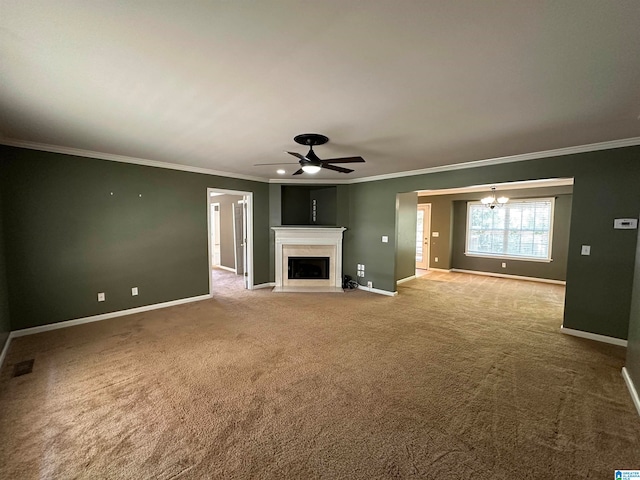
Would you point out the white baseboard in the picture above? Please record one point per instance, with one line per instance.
(228, 269)
(513, 277)
(104, 316)
(378, 291)
(446, 270)
(5, 349)
(264, 285)
(406, 279)
(632, 388)
(593, 336)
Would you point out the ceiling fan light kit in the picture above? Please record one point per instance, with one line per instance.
(311, 163)
(308, 168)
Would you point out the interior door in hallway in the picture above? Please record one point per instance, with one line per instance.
(215, 234)
(239, 236)
(423, 229)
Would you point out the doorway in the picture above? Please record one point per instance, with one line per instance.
(423, 236)
(230, 239)
(215, 234)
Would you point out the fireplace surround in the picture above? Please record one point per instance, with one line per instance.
(311, 243)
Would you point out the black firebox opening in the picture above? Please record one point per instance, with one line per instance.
(309, 268)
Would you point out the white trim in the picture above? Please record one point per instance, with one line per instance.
(248, 196)
(632, 388)
(591, 147)
(287, 238)
(263, 285)
(104, 316)
(593, 336)
(513, 277)
(445, 270)
(228, 269)
(378, 291)
(123, 159)
(5, 349)
(520, 185)
(405, 279)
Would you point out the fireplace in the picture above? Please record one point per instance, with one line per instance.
(308, 259)
(308, 268)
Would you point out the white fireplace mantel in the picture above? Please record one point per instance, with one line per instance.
(308, 241)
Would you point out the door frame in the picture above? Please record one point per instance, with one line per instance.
(426, 235)
(214, 230)
(248, 198)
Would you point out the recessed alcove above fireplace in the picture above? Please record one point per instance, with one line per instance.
(308, 259)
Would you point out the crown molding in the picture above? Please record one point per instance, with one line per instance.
(123, 159)
(558, 152)
(591, 147)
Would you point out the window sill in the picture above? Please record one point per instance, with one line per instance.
(506, 257)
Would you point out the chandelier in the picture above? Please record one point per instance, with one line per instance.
(491, 200)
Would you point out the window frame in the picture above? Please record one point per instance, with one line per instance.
(523, 258)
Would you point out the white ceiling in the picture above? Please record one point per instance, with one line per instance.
(406, 84)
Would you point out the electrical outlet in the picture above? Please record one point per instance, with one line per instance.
(436, 259)
(385, 239)
(504, 264)
(101, 297)
(369, 284)
(586, 250)
(134, 291)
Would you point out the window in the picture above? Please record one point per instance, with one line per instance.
(520, 229)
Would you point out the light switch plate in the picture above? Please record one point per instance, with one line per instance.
(101, 297)
(385, 239)
(586, 250)
(134, 291)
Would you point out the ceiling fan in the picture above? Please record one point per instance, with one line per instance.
(311, 163)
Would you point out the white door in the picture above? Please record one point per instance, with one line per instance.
(215, 234)
(423, 229)
(245, 212)
(240, 213)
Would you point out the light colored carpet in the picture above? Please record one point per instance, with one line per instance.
(458, 377)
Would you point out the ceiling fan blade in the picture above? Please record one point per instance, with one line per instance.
(298, 172)
(336, 169)
(261, 164)
(297, 155)
(344, 160)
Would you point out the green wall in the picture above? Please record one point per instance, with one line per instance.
(278, 202)
(598, 293)
(70, 238)
(441, 222)
(555, 270)
(5, 322)
(406, 218)
(449, 218)
(633, 340)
